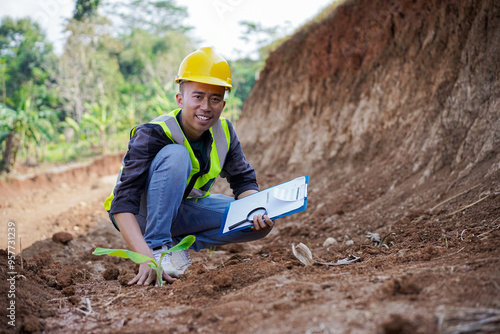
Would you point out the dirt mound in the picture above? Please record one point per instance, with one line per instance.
(392, 108)
(410, 87)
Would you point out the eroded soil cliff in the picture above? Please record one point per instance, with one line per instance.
(409, 84)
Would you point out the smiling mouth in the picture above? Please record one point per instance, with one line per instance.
(202, 118)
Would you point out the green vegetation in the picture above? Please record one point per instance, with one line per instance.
(116, 71)
(139, 258)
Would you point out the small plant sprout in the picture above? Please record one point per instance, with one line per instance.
(139, 258)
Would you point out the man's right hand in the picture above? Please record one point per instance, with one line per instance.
(133, 237)
(146, 276)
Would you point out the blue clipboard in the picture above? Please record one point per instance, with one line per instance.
(279, 201)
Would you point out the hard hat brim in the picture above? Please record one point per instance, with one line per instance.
(205, 80)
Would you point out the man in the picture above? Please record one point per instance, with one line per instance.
(162, 193)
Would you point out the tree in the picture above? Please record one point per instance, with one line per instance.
(266, 38)
(27, 66)
(147, 57)
(107, 82)
(149, 64)
(97, 121)
(158, 17)
(25, 56)
(3, 71)
(85, 9)
(244, 73)
(89, 71)
(24, 127)
(9, 137)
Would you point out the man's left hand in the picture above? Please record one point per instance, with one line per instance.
(262, 222)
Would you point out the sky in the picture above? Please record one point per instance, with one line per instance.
(215, 22)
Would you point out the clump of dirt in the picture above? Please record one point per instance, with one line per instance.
(397, 324)
(111, 273)
(62, 237)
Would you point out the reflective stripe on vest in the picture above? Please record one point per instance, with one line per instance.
(218, 152)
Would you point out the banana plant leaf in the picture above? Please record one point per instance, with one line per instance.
(124, 253)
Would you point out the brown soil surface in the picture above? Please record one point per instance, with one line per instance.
(392, 108)
(439, 273)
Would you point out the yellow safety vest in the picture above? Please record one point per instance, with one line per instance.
(198, 183)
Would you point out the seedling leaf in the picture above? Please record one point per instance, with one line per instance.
(184, 244)
(124, 253)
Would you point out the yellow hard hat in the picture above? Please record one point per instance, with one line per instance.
(205, 66)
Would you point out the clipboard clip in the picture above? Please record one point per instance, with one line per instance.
(290, 194)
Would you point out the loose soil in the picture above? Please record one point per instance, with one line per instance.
(438, 273)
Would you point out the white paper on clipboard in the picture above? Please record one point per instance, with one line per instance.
(279, 201)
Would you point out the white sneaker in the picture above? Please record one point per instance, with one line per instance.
(181, 261)
(166, 262)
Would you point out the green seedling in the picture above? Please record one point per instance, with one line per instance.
(139, 258)
(211, 251)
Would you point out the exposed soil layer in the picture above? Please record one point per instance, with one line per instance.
(399, 133)
(439, 273)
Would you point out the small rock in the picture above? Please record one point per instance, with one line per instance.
(62, 237)
(329, 242)
(349, 242)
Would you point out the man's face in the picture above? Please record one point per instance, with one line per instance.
(201, 106)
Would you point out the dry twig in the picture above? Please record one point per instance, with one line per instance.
(453, 197)
(112, 300)
(115, 297)
(21, 253)
(472, 204)
(470, 321)
(86, 308)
